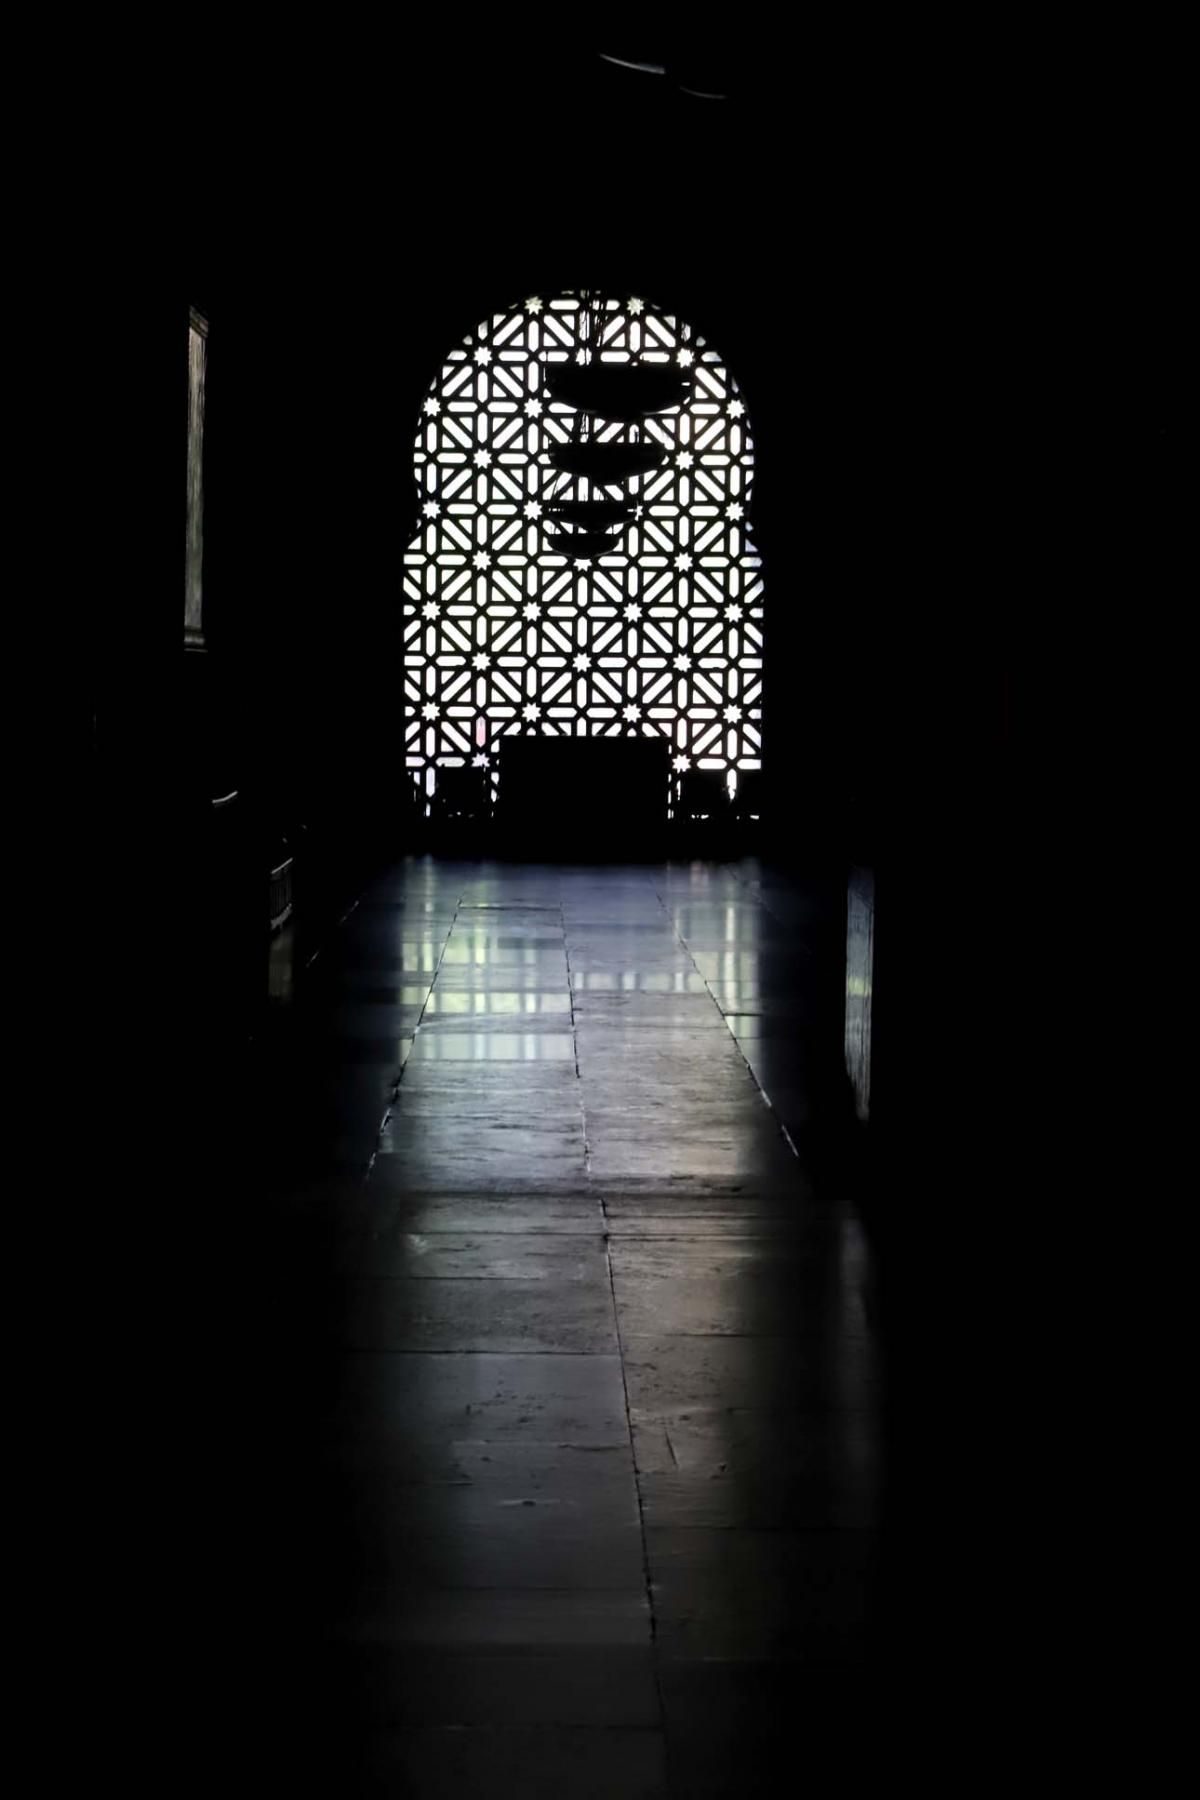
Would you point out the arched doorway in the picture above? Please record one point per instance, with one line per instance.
(584, 567)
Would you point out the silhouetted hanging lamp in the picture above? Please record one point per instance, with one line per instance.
(603, 394)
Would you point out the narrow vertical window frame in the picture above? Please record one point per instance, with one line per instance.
(193, 604)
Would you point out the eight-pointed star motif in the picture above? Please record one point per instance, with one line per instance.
(533, 409)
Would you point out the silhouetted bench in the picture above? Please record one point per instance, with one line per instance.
(607, 795)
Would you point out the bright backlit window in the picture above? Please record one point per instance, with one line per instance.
(584, 566)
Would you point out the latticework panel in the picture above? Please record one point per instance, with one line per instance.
(583, 566)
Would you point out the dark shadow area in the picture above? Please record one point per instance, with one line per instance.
(563, 792)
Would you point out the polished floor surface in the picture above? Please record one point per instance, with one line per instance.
(598, 1394)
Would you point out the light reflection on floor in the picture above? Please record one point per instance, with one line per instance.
(606, 1428)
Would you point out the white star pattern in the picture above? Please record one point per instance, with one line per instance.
(510, 626)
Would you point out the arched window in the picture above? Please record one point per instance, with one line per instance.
(583, 566)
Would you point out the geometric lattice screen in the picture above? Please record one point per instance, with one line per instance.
(583, 566)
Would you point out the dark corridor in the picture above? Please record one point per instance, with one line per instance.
(553, 1335)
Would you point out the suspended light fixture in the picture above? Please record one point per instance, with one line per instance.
(580, 506)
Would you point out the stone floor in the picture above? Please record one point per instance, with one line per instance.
(596, 1394)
